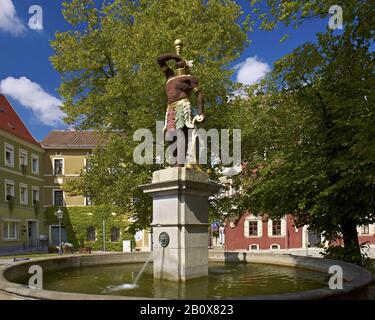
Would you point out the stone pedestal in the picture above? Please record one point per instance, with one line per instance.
(180, 209)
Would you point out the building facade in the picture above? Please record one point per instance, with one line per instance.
(256, 232)
(84, 224)
(32, 179)
(251, 232)
(21, 184)
(66, 154)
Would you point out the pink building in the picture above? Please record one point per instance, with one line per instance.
(250, 232)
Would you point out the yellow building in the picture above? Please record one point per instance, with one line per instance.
(66, 155)
(21, 185)
(32, 176)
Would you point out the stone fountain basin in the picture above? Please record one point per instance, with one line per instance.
(356, 279)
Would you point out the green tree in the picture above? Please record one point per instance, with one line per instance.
(112, 83)
(308, 129)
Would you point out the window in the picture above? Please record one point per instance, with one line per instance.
(115, 234)
(254, 247)
(276, 227)
(24, 199)
(35, 194)
(9, 230)
(9, 155)
(34, 164)
(253, 228)
(9, 189)
(88, 201)
(365, 229)
(91, 234)
(275, 246)
(58, 167)
(58, 198)
(23, 160)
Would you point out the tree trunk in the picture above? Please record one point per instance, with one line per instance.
(350, 237)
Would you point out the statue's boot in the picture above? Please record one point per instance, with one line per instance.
(195, 166)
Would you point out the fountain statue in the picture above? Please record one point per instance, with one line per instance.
(180, 123)
(180, 193)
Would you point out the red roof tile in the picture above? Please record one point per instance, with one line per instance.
(58, 139)
(12, 123)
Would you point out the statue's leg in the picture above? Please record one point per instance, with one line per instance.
(171, 137)
(176, 150)
(182, 146)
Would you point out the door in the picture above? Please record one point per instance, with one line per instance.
(314, 239)
(32, 233)
(55, 235)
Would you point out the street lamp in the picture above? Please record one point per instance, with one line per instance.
(59, 214)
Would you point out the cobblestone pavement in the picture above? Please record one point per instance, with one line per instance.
(5, 261)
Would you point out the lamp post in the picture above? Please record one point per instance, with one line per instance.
(103, 235)
(59, 214)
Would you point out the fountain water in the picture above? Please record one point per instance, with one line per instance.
(129, 286)
(143, 268)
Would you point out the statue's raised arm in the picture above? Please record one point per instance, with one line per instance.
(162, 61)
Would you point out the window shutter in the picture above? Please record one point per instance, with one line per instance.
(246, 228)
(283, 227)
(260, 227)
(372, 228)
(269, 227)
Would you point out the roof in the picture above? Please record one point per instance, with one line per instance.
(12, 123)
(72, 139)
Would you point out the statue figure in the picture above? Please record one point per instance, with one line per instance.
(179, 116)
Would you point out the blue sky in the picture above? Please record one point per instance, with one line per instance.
(25, 66)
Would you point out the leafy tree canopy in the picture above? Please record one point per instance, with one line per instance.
(112, 83)
(308, 129)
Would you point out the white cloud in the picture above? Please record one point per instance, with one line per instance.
(32, 96)
(9, 20)
(251, 70)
